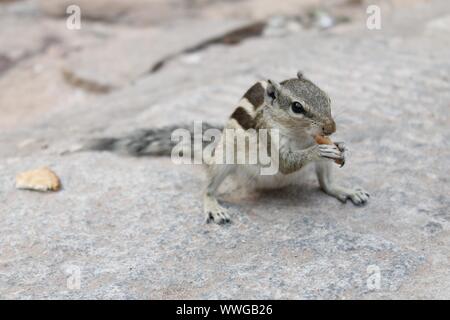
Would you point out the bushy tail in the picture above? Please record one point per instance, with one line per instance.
(145, 142)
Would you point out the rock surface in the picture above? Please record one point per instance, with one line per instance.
(134, 229)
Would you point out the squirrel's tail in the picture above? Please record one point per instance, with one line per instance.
(144, 142)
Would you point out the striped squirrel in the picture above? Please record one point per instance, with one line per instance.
(296, 108)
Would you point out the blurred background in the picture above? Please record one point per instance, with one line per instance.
(133, 228)
(121, 41)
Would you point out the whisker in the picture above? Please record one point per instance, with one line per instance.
(341, 111)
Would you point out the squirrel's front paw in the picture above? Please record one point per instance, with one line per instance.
(358, 196)
(330, 152)
(217, 214)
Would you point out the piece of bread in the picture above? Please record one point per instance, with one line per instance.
(42, 179)
(326, 140)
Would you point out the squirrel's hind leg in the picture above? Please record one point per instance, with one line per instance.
(212, 209)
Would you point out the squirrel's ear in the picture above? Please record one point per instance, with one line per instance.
(299, 74)
(272, 91)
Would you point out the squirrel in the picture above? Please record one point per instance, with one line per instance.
(296, 108)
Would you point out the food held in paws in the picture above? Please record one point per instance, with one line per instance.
(326, 140)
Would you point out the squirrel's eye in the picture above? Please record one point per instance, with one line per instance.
(272, 95)
(297, 107)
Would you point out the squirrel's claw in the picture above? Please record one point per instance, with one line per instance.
(330, 152)
(341, 146)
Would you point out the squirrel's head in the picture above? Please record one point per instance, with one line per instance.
(300, 106)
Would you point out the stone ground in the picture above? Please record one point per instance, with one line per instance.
(134, 229)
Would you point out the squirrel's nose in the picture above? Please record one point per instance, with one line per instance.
(329, 127)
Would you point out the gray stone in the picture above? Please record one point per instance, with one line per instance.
(133, 228)
(140, 51)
